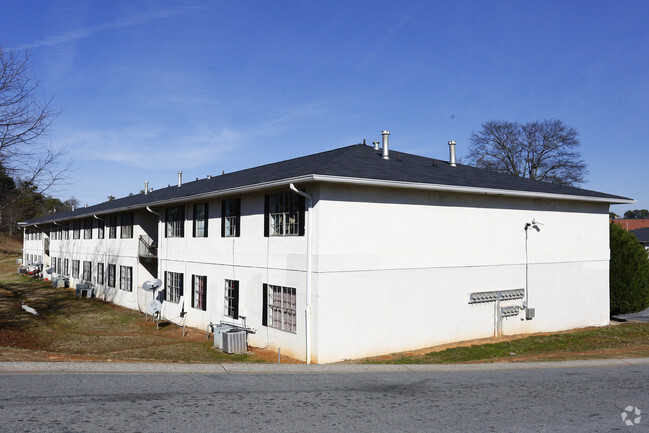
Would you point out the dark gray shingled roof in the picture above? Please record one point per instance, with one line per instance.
(357, 161)
(642, 234)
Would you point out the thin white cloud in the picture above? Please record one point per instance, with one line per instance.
(77, 33)
(151, 147)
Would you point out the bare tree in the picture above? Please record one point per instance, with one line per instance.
(25, 117)
(545, 150)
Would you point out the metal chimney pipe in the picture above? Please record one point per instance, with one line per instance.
(385, 137)
(180, 178)
(376, 145)
(451, 149)
(146, 186)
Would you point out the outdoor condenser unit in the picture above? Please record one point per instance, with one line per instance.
(219, 335)
(235, 342)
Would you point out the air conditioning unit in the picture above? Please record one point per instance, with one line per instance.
(235, 342)
(219, 335)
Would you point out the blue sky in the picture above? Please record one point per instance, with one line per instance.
(149, 88)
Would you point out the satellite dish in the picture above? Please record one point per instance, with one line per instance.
(49, 270)
(154, 307)
(152, 285)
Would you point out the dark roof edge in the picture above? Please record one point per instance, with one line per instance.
(348, 180)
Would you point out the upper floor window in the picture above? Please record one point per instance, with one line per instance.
(76, 226)
(200, 220)
(284, 214)
(112, 227)
(175, 220)
(100, 229)
(127, 225)
(87, 229)
(231, 217)
(66, 231)
(173, 286)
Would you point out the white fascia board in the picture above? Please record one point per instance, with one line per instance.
(358, 181)
(468, 189)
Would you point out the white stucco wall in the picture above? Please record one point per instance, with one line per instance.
(395, 268)
(392, 268)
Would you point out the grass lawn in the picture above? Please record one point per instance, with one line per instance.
(623, 340)
(67, 328)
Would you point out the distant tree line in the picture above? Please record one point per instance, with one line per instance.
(21, 200)
(637, 214)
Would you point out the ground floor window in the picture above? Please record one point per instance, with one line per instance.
(54, 268)
(282, 308)
(66, 267)
(100, 273)
(111, 275)
(75, 268)
(126, 278)
(199, 292)
(87, 271)
(58, 266)
(173, 286)
(232, 298)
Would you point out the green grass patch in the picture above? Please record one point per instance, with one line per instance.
(622, 340)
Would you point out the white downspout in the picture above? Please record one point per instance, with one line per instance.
(309, 237)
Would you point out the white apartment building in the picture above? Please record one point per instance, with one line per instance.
(371, 251)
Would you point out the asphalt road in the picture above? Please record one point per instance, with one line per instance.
(565, 399)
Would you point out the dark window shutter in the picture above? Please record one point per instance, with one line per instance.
(235, 300)
(238, 219)
(193, 291)
(302, 221)
(264, 305)
(182, 287)
(165, 286)
(205, 293)
(194, 223)
(266, 216)
(222, 218)
(166, 226)
(182, 226)
(207, 218)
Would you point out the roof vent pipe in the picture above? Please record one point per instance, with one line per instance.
(451, 149)
(180, 178)
(385, 137)
(146, 186)
(376, 145)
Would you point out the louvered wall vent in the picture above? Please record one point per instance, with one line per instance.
(503, 295)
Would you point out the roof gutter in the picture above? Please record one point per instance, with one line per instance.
(357, 181)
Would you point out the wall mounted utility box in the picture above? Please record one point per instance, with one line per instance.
(529, 313)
